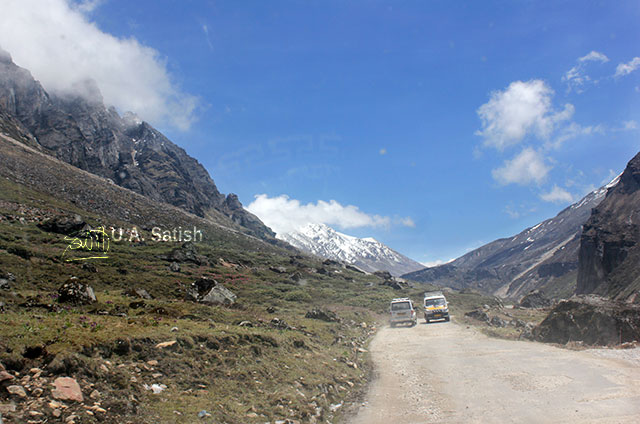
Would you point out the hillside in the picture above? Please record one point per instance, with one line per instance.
(150, 347)
(366, 253)
(80, 130)
(610, 242)
(543, 257)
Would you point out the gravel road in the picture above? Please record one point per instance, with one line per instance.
(447, 373)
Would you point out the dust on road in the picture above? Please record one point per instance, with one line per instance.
(447, 373)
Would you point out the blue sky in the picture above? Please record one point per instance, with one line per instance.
(434, 126)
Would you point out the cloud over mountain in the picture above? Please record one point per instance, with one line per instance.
(63, 48)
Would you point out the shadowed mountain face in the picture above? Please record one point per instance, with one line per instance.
(610, 243)
(131, 153)
(543, 257)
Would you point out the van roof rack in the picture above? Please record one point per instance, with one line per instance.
(400, 299)
(433, 293)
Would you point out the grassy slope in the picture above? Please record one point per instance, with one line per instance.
(236, 373)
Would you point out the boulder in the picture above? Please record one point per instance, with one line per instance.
(355, 269)
(141, 293)
(187, 253)
(67, 388)
(322, 315)
(535, 299)
(76, 293)
(385, 275)
(64, 225)
(592, 320)
(205, 290)
(478, 314)
(4, 284)
(175, 267)
(497, 322)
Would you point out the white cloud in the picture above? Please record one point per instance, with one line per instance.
(594, 56)
(522, 109)
(59, 44)
(630, 125)
(283, 214)
(557, 195)
(437, 262)
(383, 151)
(573, 130)
(407, 222)
(626, 68)
(577, 77)
(527, 167)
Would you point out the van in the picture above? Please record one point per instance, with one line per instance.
(402, 311)
(435, 307)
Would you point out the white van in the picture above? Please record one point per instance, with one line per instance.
(435, 307)
(402, 311)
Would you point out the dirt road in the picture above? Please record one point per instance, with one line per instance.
(447, 373)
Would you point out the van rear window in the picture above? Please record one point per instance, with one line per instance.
(400, 306)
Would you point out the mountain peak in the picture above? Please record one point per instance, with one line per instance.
(367, 253)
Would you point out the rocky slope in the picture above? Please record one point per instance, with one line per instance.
(367, 254)
(543, 257)
(610, 243)
(80, 130)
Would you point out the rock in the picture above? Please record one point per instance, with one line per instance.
(203, 414)
(323, 315)
(187, 253)
(67, 388)
(355, 269)
(89, 267)
(478, 314)
(6, 408)
(166, 344)
(331, 262)
(278, 269)
(246, 324)
(4, 284)
(64, 225)
(205, 290)
(497, 322)
(17, 391)
(271, 310)
(155, 388)
(279, 324)
(75, 292)
(385, 275)
(95, 395)
(535, 299)
(174, 329)
(5, 376)
(592, 320)
(141, 293)
(175, 267)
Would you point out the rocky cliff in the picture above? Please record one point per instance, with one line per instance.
(80, 130)
(610, 243)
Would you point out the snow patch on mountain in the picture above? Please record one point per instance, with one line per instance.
(365, 253)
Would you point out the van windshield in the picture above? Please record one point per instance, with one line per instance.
(400, 306)
(434, 302)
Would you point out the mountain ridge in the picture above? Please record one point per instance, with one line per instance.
(367, 253)
(544, 256)
(80, 130)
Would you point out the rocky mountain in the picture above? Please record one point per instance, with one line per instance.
(80, 130)
(610, 243)
(543, 257)
(367, 254)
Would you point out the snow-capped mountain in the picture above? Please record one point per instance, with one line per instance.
(543, 257)
(367, 254)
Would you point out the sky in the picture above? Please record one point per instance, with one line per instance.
(432, 126)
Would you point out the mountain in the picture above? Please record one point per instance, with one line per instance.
(610, 243)
(543, 257)
(80, 130)
(367, 254)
